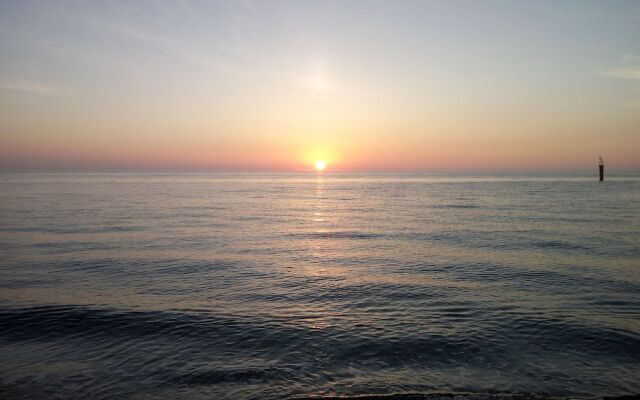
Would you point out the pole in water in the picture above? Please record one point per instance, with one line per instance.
(601, 165)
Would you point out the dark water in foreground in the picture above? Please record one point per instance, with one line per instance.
(269, 286)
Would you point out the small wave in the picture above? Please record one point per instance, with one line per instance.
(462, 206)
(463, 396)
(184, 269)
(436, 396)
(215, 376)
(251, 348)
(556, 244)
(72, 230)
(337, 235)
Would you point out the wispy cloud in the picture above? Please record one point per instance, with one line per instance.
(29, 87)
(628, 68)
(167, 44)
(240, 62)
(630, 72)
(623, 73)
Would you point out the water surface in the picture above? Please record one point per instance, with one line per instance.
(270, 286)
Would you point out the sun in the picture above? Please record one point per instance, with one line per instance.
(320, 165)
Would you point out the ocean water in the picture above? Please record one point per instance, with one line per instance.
(275, 286)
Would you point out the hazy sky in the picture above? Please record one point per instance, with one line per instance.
(275, 85)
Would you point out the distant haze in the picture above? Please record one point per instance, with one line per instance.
(277, 85)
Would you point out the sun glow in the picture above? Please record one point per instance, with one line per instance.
(320, 165)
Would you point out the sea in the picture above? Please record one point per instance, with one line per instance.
(312, 285)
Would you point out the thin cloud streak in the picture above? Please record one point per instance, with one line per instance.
(624, 73)
(24, 86)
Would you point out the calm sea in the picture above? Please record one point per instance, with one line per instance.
(270, 286)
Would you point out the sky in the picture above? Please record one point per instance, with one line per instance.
(277, 85)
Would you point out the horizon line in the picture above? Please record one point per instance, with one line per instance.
(310, 171)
